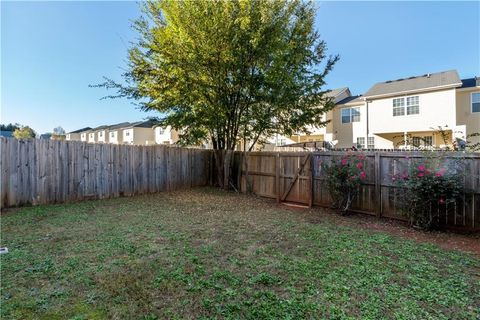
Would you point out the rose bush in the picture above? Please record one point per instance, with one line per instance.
(344, 177)
(426, 188)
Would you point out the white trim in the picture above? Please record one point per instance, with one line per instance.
(468, 88)
(408, 92)
(471, 102)
(351, 116)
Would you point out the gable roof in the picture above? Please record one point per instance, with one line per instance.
(470, 83)
(143, 124)
(352, 99)
(417, 83)
(119, 125)
(335, 92)
(81, 130)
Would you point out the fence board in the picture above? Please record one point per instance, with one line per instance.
(378, 196)
(46, 171)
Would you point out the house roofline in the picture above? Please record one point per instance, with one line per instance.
(392, 94)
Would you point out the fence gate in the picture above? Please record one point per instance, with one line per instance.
(295, 177)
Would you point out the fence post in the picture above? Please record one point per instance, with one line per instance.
(277, 176)
(378, 189)
(310, 199)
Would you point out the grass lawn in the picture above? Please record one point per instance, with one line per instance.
(205, 253)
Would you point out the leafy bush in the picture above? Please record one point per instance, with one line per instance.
(426, 187)
(344, 177)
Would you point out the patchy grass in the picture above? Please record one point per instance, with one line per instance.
(210, 254)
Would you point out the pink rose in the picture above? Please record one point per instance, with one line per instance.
(344, 162)
(421, 168)
(363, 175)
(420, 174)
(359, 165)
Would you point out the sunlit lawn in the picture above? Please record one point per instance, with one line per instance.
(211, 254)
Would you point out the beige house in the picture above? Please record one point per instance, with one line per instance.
(406, 113)
(322, 134)
(115, 132)
(165, 135)
(139, 133)
(77, 134)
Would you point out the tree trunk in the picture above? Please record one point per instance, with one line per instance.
(223, 165)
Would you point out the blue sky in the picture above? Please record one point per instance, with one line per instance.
(52, 51)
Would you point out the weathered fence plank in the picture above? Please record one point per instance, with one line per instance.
(47, 171)
(279, 175)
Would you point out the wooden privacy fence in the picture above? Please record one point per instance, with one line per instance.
(298, 177)
(46, 171)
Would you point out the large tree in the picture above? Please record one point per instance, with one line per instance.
(229, 71)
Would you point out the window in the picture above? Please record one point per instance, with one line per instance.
(398, 107)
(112, 134)
(371, 142)
(476, 102)
(127, 133)
(281, 142)
(360, 142)
(350, 115)
(413, 106)
(416, 141)
(422, 141)
(161, 130)
(428, 141)
(100, 134)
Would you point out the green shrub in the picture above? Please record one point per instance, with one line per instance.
(344, 177)
(426, 187)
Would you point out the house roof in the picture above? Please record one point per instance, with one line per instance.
(119, 125)
(417, 83)
(81, 130)
(335, 92)
(352, 99)
(7, 134)
(143, 124)
(470, 83)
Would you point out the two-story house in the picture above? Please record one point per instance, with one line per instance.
(115, 132)
(76, 135)
(140, 133)
(407, 113)
(323, 134)
(165, 135)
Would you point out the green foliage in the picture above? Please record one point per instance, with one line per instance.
(229, 70)
(427, 186)
(344, 177)
(24, 132)
(9, 127)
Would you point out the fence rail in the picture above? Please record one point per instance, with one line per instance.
(47, 171)
(291, 177)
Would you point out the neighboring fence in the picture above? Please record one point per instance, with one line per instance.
(46, 171)
(297, 177)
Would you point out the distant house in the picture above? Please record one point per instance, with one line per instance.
(76, 135)
(84, 135)
(165, 135)
(6, 134)
(140, 133)
(46, 136)
(115, 132)
(321, 134)
(407, 113)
